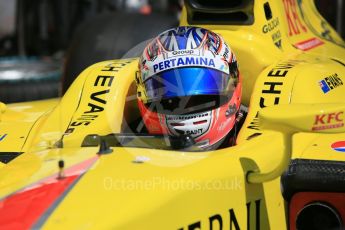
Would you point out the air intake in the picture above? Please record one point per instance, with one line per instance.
(318, 216)
(223, 12)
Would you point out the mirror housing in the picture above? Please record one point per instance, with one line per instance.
(294, 118)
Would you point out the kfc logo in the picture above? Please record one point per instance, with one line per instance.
(328, 121)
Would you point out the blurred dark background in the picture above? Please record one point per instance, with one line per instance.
(45, 44)
(55, 39)
(45, 27)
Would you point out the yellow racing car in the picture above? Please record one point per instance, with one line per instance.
(76, 163)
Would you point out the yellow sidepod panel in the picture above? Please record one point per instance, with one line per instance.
(17, 121)
(195, 189)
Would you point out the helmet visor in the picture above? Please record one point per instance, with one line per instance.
(189, 81)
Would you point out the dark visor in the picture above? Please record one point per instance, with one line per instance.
(189, 81)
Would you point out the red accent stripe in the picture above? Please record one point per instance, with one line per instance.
(199, 122)
(22, 209)
(309, 44)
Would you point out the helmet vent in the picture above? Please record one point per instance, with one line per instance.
(199, 122)
(177, 124)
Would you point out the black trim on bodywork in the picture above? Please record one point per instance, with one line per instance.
(141, 140)
(339, 62)
(6, 157)
(313, 176)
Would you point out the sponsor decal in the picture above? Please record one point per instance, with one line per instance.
(2, 137)
(186, 46)
(328, 121)
(271, 25)
(276, 36)
(309, 44)
(274, 84)
(271, 90)
(277, 39)
(115, 67)
(96, 103)
(329, 83)
(97, 99)
(194, 52)
(339, 146)
(325, 28)
(295, 24)
(324, 86)
(217, 220)
(254, 124)
(183, 61)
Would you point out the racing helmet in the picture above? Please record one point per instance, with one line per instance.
(188, 83)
